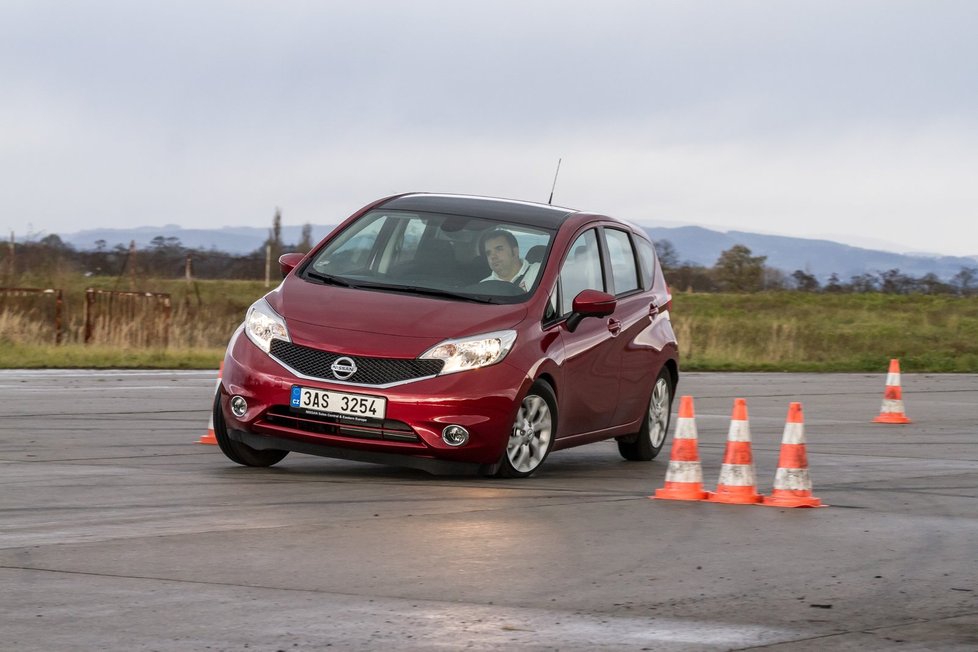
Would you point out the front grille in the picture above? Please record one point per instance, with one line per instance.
(389, 430)
(370, 371)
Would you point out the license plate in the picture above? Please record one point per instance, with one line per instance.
(356, 407)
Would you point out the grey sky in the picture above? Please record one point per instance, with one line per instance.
(849, 120)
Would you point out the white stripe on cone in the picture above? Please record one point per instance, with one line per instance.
(737, 475)
(739, 431)
(793, 479)
(684, 472)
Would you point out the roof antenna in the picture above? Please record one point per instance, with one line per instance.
(550, 201)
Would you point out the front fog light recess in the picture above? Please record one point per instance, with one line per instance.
(454, 435)
(238, 406)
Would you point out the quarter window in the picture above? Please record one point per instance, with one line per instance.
(647, 253)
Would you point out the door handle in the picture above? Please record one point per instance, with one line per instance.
(614, 326)
(653, 310)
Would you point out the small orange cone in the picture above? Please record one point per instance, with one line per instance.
(792, 484)
(210, 438)
(684, 478)
(737, 484)
(892, 409)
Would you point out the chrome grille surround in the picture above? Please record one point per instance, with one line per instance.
(315, 364)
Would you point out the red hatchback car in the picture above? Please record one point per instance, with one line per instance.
(455, 334)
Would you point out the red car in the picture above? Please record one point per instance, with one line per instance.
(455, 334)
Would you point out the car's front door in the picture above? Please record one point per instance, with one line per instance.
(592, 362)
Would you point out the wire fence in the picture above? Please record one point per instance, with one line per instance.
(42, 308)
(127, 318)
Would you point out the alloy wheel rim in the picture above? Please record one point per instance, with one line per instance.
(659, 413)
(530, 437)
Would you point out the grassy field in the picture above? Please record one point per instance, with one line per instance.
(778, 331)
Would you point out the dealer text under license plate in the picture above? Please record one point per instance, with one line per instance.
(350, 405)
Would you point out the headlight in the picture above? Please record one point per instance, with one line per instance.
(472, 352)
(262, 324)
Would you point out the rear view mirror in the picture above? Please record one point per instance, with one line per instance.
(288, 262)
(590, 303)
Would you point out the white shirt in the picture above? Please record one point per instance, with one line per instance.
(528, 272)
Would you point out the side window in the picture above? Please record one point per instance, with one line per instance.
(622, 257)
(647, 253)
(581, 270)
(407, 239)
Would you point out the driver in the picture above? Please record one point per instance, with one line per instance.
(503, 255)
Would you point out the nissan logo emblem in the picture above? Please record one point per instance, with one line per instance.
(343, 368)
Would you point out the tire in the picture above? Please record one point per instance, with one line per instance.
(532, 435)
(655, 426)
(236, 451)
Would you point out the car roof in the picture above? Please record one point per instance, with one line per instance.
(510, 210)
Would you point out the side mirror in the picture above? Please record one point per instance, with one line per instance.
(287, 262)
(590, 303)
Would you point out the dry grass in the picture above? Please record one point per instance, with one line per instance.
(783, 331)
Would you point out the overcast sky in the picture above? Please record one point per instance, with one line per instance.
(852, 120)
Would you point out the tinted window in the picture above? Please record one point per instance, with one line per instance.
(581, 270)
(622, 261)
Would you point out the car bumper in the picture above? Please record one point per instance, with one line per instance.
(484, 401)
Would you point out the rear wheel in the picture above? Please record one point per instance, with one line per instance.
(650, 438)
(532, 435)
(235, 450)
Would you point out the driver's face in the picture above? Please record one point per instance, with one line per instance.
(503, 259)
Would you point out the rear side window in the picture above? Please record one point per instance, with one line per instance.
(646, 252)
(622, 257)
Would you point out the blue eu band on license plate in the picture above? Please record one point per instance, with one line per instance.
(359, 407)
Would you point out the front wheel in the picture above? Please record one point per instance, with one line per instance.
(650, 438)
(533, 433)
(236, 451)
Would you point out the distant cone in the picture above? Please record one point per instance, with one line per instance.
(210, 438)
(792, 483)
(892, 409)
(737, 484)
(684, 477)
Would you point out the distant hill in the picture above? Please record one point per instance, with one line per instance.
(694, 244)
(821, 258)
(232, 239)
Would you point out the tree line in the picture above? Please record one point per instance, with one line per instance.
(736, 270)
(163, 257)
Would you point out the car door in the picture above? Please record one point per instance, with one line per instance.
(592, 358)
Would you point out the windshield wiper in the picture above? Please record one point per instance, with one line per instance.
(328, 278)
(429, 292)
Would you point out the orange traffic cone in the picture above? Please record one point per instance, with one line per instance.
(684, 477)
(892, 409)
(792, 484)
(210, 438)
(737, 484)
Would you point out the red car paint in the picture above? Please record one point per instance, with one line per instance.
(585, 378)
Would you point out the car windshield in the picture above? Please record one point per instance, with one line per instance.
(434, 254)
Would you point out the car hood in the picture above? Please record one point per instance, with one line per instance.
(373, 322)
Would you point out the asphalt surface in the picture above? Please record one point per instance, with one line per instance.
(119, 532)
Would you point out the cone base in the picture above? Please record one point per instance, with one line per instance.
(891, 418)
(733, 498)
(791, 501)
(692, 493)
(209, 438)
